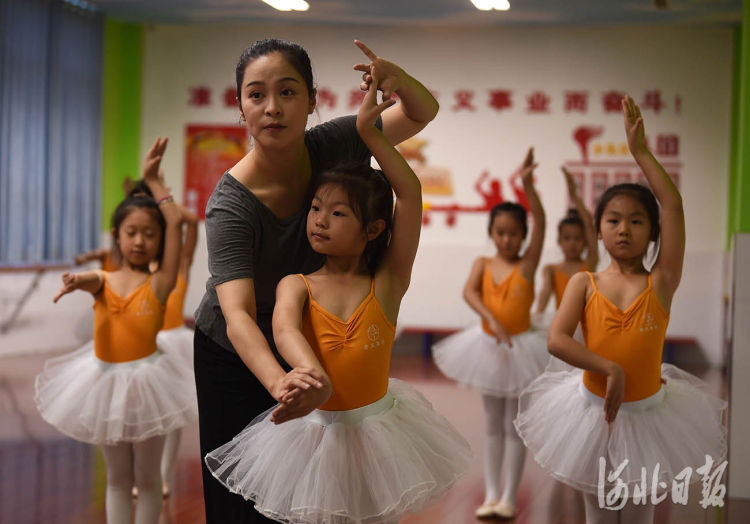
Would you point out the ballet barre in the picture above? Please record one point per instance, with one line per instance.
(38, 270)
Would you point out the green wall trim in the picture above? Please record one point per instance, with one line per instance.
(121, 111)
(734, 144)
(739, 180)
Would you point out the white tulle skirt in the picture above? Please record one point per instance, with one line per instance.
(368, 465)
(106, 403)
(476, 360)
(562, 424)
(177, 342)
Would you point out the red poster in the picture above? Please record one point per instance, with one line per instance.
(210, 150)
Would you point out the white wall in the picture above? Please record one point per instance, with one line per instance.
(692, 63)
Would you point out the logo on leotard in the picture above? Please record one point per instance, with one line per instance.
(648, 323)
(373, 333)
(145, 309)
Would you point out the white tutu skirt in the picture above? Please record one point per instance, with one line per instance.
(106, 403)
(563, 426)
(474, 359)
(178, 342)
(366, 465)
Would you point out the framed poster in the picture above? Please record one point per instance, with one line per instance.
(210, 150)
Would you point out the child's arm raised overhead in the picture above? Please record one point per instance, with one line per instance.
(90, 281)
(191, 239)
(291, 297)
(560, 343)
(407, 216)
(473, 297)
(546, 291)
(592, 248)
(533, 253)
(417, 108)
(163, 280)
(667, 270)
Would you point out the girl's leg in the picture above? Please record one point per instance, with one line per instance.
(632, 514)
(515, 454)
(119, 461)
(597, 515)
(147, 461)
(168, 459)
(494, 445)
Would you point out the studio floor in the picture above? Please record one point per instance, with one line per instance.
(48, 478)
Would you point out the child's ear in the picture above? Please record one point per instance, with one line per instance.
(114, 235)
(374, 229)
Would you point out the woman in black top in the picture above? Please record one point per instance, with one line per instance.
(255, 229)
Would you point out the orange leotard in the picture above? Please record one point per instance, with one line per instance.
(356, 354)
(633, 338)
(510, 300)
(125, 328)
(560, 281)
(173, 312)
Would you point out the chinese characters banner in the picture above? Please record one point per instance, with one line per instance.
(210, 150)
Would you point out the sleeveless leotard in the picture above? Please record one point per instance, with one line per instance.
(633, 338)
(356, 354)
(175, 303)
(125, 329)
(560, 281)
(510, 300)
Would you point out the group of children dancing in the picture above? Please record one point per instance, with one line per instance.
(370, 448)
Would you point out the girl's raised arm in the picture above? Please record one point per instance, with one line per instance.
(546, 291)
(533, 253)
(668, 267)
(417, 108)
(592, 248)
(407, 215)
(191, 240)
(163, 280)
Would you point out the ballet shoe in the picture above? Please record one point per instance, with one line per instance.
(504, 510)
(166, 490)
(134, 492)
(486, 510)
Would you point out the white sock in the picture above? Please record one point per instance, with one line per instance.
(494, 445)
(148, 479)
(515, 454)
(171, 445)
(117, 501)
(597, 515)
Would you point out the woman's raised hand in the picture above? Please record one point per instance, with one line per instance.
(387, 74)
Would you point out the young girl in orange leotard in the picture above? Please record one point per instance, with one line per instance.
(575, 233)
(505, 353)
(626, 405)
(121, 391)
